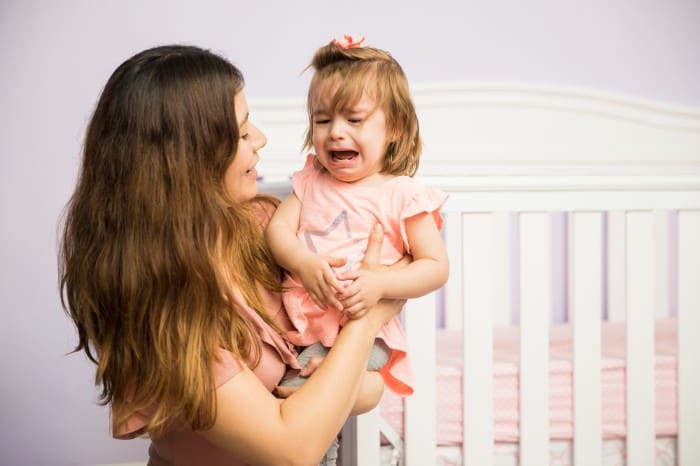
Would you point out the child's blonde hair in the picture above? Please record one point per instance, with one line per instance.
(349, 73)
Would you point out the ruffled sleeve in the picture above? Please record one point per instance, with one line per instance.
(414, 199)
(302, 178)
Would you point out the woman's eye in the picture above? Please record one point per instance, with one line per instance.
(322, 121)
(245, 136)
(355, 120)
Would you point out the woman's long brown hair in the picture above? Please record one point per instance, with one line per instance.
(151, 241)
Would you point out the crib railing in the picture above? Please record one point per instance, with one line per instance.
(632, 253)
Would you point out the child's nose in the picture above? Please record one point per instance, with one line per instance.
(337, 131)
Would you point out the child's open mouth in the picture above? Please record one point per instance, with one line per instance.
(343, 155)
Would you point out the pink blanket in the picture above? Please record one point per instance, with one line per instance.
(505, 384)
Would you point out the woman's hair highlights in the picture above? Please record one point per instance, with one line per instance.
(151, 240)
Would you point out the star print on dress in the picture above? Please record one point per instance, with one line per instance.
(339, 227)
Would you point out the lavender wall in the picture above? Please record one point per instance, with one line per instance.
(56, 56)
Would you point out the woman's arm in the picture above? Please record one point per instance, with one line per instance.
(369, 396)
(260, 429)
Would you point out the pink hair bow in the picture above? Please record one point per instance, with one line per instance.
(349, 42)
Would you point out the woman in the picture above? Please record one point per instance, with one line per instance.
(174, 293)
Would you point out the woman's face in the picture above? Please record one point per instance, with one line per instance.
(241, 177)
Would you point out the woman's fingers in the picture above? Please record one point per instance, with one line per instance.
(374, 247)
(356, 311)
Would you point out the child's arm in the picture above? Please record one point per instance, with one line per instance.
(427, 272)
(314, 270)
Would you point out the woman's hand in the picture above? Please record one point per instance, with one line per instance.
(366, 287)
(368, 281)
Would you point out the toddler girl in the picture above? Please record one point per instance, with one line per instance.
(364, 133)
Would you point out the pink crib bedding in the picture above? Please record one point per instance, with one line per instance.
(505, 384)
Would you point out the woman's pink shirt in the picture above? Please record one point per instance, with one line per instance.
(187, 448)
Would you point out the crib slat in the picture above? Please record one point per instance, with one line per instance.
(504, 266)
(688, 341)
(585, 308)
(477, 383)
(453, 287)
(535, 312)
(360, 440)
(662, 219)
(640, 338)
(420, 429)
(559, 267)
(616, 237)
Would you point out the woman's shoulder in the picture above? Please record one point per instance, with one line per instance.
(263, 206)
(224, 367)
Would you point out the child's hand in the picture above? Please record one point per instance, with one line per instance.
(318, 277)
(362, 294)
(366, 288)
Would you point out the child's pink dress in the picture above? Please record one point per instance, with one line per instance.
(335, 220)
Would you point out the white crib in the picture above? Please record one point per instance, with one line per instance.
(624, 175)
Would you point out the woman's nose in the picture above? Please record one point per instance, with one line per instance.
(260, 138)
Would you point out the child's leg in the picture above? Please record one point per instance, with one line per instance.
(317, 349)
(378, 358)
(379, 355)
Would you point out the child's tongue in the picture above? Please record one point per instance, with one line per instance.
(344, 155)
